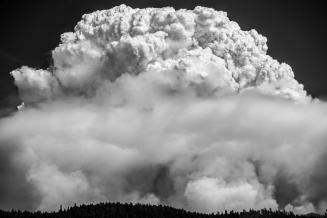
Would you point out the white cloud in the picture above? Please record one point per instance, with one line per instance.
(162, 106)
(211, 194)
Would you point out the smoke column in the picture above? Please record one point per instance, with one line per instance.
(163, 106)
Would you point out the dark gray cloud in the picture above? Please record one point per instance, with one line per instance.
(15, 190)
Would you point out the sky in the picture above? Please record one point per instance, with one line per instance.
(189, 108)
(295, 32)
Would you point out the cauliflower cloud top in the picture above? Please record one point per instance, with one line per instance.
(199, 49)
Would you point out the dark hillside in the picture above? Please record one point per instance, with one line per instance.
(119, 210)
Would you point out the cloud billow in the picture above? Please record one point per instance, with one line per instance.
(169, 107)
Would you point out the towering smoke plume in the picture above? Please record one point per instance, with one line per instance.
(164, 107)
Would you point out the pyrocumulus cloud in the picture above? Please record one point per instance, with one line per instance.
(163, 106)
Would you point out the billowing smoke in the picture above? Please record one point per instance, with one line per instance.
(164, 107)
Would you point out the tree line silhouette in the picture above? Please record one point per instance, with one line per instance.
(128, 210)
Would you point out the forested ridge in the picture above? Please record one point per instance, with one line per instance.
(128, 210)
